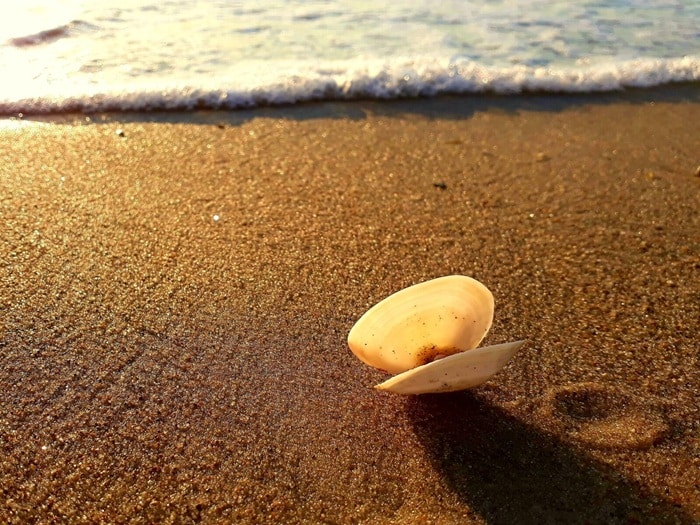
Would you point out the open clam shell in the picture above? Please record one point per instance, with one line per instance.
(427, 333)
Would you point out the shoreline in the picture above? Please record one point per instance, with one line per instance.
(177, 294)
(445, 105)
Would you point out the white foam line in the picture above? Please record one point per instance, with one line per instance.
(353, 80)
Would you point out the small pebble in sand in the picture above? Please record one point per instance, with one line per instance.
(120, 132)
(542, 157)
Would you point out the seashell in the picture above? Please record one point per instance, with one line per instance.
(427, 334)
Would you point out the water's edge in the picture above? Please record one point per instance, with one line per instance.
(439, 106)
(400, 80)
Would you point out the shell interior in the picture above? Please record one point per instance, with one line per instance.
(423, 322)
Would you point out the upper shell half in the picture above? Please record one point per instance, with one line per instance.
(426, 321)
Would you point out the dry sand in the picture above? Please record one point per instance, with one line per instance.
(175, 297)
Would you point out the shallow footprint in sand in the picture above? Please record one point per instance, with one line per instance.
(603, 416)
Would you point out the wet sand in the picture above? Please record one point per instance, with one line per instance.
(176, 290)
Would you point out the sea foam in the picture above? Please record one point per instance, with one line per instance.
(270, 83)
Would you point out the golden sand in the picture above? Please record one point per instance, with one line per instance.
(175, 297)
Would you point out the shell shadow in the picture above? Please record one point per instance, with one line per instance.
(507, 471)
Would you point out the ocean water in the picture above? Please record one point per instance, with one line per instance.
(82, 55)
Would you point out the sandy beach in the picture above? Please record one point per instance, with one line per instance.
(176, 292)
